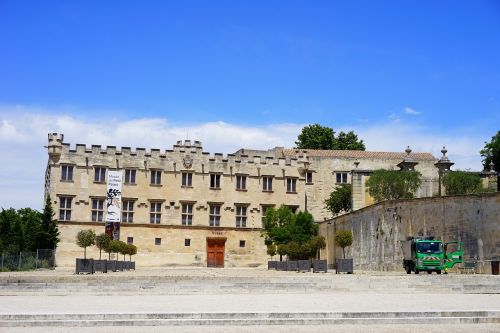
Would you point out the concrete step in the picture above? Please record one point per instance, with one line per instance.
(248, 318)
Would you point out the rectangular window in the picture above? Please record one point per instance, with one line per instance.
(67, 173)
(128, 211)
(65, 208)
(97, 210)
(293, 209)
(267, 183)
(155, 213)
(99, 175)
(187, 179)
(241, 216)
(187, 242)
(155, 177)
(291, 185)
(187, 214)
(214, 220)
(157, 241)
(341, 177)
(264, 211)
(130, 176)
(309, 177)
(242, 243)
(130, 240)
(241, 182)
(214, 180)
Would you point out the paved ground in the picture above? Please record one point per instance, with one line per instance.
(367, 293)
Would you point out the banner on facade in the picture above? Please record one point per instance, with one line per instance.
(114, 203)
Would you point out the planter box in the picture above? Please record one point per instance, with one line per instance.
(101, 266)
(271, 264)
(84, 266)
(281, 265)
(319, 266)
(304, 265)
(132, 265)
(292, 265)
(112, 265)
(119, 265)
(344, 266)
(126, 265)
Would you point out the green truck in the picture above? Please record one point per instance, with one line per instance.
(429, 254)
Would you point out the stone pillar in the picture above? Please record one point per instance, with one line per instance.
(443, 165)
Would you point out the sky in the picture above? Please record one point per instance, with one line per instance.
(243, 74)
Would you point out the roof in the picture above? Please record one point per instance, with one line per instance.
(356, 154)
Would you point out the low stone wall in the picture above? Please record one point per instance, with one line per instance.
(378, 229)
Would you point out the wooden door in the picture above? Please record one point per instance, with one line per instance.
(215, 252)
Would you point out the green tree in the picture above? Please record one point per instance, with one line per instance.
(343, 238)
(491, 153)
(294, 235)
(461, 182)
(322, 137)
(11, 231)
(85, 238)
(392, 184)
(32, 233)
(271, 250)
(131, 250)
(50, 232)
(102, 242)
(340, 199)
(114, 247)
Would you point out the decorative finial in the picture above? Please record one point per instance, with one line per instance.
(444, 151)
(408, 150)
(356, 164)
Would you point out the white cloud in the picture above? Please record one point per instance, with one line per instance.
(411, 111)
(23, 135)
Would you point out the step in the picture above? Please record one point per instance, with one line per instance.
(249, 319)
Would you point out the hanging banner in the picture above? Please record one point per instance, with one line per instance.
(114, 204)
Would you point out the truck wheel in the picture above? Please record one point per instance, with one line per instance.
(417, 271)
(408, 270)
(429, 272)
(438, 271)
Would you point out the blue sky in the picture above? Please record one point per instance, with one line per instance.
(418, 73)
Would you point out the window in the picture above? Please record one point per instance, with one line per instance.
(187, 179)
(67, 173)
(264, 210)
(241, 182)
(130, 240)
(157, 241)
(291, 185)
(241, 216)
(293, 208)
(65, 208)
(99, 175)
(214, 180)
(187, 214)
(309, 177)
(155, 213)
(129, 176)
(242, 243)
(128, 211)
(214, 220)
(97, 210)
(267, 183)
(341, 177)
(187, 242)
(155, 177)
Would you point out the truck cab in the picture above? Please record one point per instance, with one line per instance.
(429, 254)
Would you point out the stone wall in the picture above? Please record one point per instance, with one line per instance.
(378, 229)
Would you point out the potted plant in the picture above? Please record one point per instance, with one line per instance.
(85, 238)
(271, 251)
(343, 238)
(102, 242)
(132, 250)
(317, 243)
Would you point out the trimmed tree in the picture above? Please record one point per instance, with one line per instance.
(85, 238)
(461, 182)
(102, 242)
(113, 247)
(131, 250)
(391, 184)
(343, 238)
(340, 200)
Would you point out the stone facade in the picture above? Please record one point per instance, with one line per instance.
(186, 193)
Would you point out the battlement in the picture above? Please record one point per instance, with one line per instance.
(58, 148)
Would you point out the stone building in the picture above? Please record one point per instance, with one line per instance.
(187, 207)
